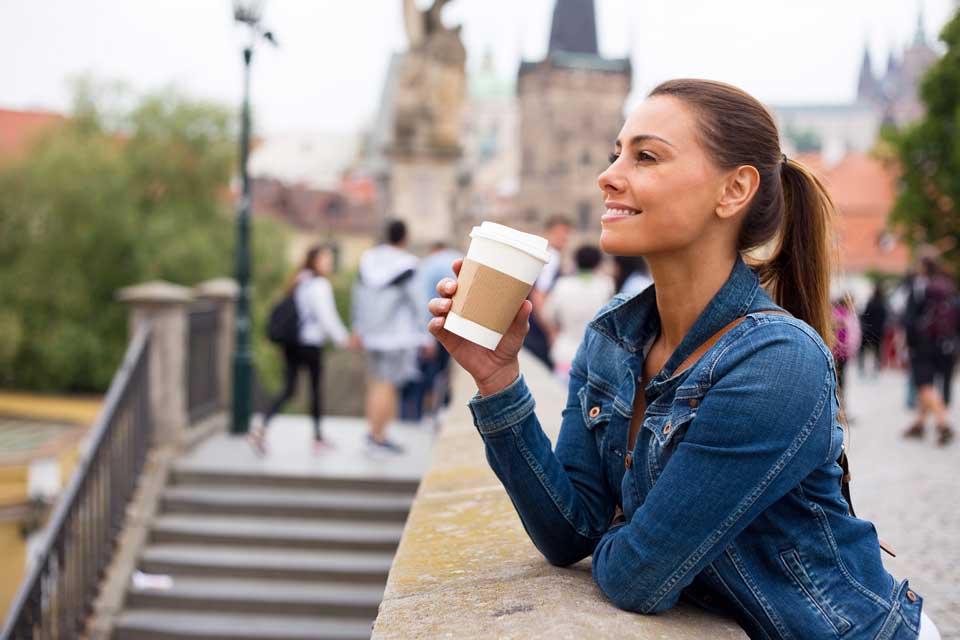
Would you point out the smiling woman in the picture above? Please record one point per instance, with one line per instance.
(701, 445)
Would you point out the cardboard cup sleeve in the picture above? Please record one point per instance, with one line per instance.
(489, 297)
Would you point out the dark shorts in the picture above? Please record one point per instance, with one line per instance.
(927, 362)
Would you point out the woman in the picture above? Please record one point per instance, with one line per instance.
(319, 322)
(717, 481)
(572, 304)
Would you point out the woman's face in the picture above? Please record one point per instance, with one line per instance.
(323, 263)
(661, 189)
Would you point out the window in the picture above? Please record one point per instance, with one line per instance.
(583, 210)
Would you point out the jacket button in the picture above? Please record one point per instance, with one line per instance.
(911, 596)
(628, 461)
(694, 403)
(594, 412)
(666, 428)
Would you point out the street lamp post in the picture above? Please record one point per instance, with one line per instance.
(246, 12)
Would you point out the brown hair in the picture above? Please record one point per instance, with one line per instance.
(791, 205)
(308, 264)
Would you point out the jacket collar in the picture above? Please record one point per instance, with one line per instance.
(634, 322)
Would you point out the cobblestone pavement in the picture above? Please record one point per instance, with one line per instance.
(909, 489)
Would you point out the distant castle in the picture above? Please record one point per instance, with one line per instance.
(891, 98)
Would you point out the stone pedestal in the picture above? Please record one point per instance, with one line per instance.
(223, 292)
(164, 306)
(423, 191)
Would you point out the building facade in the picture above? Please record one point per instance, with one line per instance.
(570, 109)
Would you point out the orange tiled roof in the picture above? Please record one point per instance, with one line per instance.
(864, 191)
(19, 128)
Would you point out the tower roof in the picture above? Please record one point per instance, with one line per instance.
(574, 27)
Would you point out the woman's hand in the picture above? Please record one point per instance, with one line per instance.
(491, 370)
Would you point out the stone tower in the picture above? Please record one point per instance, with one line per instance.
(570, 111)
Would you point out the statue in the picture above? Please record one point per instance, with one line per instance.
(431, 83)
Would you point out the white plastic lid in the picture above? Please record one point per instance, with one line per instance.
(529, 243)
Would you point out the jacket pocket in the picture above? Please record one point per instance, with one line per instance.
(794, 566)
(595, 405)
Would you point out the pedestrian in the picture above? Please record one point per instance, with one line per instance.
(541, 334)
(387, 317)
(573, 302)
(318, 323)
(932, 337)
(873, 325)
(428, 395)
(699, 452)
(632, 274)
(846, 342)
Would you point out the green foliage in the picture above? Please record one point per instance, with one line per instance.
(929, 156)
(114, 197)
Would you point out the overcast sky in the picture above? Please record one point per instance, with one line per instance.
(328, 73)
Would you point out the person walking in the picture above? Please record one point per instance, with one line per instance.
(846, 342)
(428, 395)
(700, 452)
(541, 334)
(873, 325)
(572, 304)
(318, 323)
(387, 316)
(932, 337)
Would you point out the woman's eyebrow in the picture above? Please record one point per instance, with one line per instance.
(644, 137)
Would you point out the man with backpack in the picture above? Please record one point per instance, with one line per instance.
(387, 314)
(931, 326)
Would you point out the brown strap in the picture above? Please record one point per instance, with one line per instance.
(712, 340)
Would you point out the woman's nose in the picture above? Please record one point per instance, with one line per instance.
(611, 181)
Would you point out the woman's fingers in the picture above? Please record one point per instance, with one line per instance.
(447, 287)
(456, 266)
(439, 306)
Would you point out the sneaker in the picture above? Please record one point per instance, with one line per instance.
(387, 446)
(322, 445)
(944, 434)
(915, 431)
(257, 439)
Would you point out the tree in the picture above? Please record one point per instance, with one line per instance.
(928, 155)
(111, 198)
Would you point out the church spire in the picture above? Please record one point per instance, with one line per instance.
(868, 87)
(574, 27)
(920, 35)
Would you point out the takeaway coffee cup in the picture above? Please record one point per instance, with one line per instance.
(497, 274)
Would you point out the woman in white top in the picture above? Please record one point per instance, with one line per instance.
(319, 323)
(572, 303)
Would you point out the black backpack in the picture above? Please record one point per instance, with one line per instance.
(283, 326)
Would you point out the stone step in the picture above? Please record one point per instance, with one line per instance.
(295, 503)
(266, 563)
(288, 533)
(183, 474)
(162, 624)
(272, 597)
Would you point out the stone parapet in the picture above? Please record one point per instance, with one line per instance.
(465, 567)
(223, 292)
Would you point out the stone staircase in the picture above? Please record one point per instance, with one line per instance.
(265, 557)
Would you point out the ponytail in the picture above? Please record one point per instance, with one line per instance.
(797, 275)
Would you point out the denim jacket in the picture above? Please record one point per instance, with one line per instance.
(731, 494)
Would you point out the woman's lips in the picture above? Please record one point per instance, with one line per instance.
(617, 211)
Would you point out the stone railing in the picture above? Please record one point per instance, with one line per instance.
(465, 567)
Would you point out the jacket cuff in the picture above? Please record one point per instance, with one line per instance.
(503, 409)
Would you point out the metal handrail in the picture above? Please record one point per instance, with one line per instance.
(203, 389)
(55, 598)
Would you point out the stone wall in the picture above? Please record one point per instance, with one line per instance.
(465, 567)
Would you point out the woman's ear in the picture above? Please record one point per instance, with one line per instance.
(738, 189)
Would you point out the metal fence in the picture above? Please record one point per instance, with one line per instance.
(203, 389)
(62, 581)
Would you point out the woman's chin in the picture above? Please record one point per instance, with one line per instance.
(616, 243)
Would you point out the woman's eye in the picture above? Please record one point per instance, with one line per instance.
(613, 157)
(643, 156)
